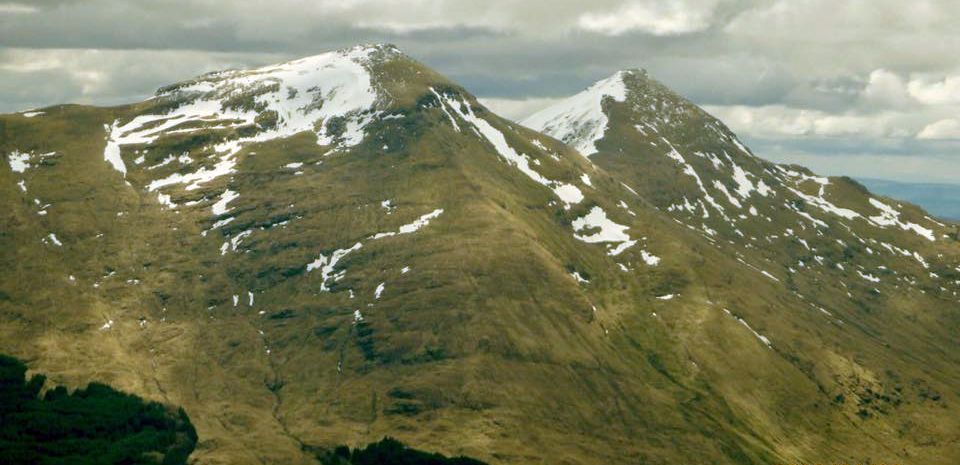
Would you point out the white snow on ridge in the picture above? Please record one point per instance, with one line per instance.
(420, 222)
(824, 204)
(411, 227)
(567, 193)
(888, 215)
(304, 94)
(690, 171)
(443, 106)
(891, 217)
(580, 120)
(740, 146)
(765, 340)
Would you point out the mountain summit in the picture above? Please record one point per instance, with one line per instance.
(349, 246)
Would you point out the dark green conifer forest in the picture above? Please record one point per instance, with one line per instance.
(90, 426)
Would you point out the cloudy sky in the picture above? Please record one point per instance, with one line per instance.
(869, 88)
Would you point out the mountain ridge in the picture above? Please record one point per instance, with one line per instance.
(419, 267)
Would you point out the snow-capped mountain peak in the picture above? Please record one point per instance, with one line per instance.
(332, 94)
(580, 120)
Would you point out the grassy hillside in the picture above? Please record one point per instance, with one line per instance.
(458, 282)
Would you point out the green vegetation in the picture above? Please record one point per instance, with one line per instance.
(389, 451)
(480, 336)
(93, 426)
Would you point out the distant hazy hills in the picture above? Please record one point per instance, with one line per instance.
(939, 199)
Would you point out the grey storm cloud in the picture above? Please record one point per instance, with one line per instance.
(801, 78)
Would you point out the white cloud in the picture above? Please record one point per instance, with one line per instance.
(766, 121)
(780, 121)
(660, 18)
(517, 109)
(932, 92)
(885, 88)
(773, 121)
(944, 129)
(17, 8)
(867, 164)
(40, 77)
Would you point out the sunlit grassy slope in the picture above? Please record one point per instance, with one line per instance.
(488, 329)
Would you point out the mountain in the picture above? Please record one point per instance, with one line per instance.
(349, 246)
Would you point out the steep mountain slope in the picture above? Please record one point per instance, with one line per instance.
(875, 265)
(349, 246)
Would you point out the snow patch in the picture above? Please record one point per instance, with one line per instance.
(326, 265)
(411, 227)
(868, 277)
(220, 207)
(379, 291)
(303, 94)
(18, 161)
(388, 206)
(765, 340)
(53, 239)
(609, 231)
(889, 216)
(649, 258)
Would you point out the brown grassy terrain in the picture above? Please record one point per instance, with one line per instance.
(486, 346)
